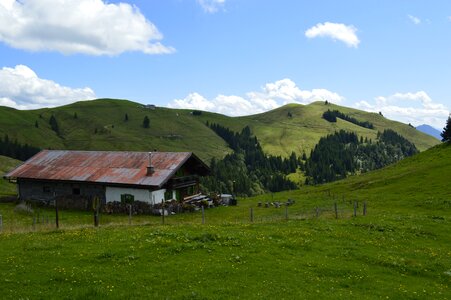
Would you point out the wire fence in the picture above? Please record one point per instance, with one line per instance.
(270, 212)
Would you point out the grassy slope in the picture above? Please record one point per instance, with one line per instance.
(6, 165)
(401, 249)
(169, 130)
(178, 130)
(281, 135)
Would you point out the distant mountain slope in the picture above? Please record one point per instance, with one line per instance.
(100, 125)
(429, 130)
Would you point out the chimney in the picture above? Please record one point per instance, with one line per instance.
(150, 168)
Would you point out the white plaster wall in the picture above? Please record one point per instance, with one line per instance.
(158, 196)
(114, 194)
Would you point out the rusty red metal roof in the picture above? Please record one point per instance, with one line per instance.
(114, 167)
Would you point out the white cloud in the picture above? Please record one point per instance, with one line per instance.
(91, 27)
(21, 88)
(415, 20)
(271, 96)
(415, 108)
(341, 32)
(211, 6)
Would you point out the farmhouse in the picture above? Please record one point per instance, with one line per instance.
(75, 178)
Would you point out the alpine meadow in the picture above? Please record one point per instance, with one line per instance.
(224, 149)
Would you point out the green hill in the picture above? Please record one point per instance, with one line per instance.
(280, 134)
(6, 165)
(415, 185)
(100, 125)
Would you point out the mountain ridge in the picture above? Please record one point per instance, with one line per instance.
(430, 131)
(101, 125)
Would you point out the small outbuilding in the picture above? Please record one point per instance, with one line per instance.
(228, 199)
(75, 178)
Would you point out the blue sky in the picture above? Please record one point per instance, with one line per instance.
(235, 57)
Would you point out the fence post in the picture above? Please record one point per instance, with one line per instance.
(203, 215)
(130, 214)
(317, 212)
(355, 208)
(251, 211)
(364, 208)
(162, 213)
(336, 210)
(57, 221)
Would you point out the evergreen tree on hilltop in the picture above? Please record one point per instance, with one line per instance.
(54, 124)
(446, 134)
(146, 122)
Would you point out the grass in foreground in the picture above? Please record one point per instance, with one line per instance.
(362, 258)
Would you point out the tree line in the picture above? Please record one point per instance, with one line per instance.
(343, 153)
(248, 170)
(332, 115)
(16, 150)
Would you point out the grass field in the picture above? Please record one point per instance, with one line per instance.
(6, 165)
(101, 125)
(400, 250)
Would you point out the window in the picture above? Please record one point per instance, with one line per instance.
(127, 198)
(168, 195)
(46, 189)
(76, 191)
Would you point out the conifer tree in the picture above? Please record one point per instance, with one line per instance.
(446, 134)
(54, 124)
(146, 122)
